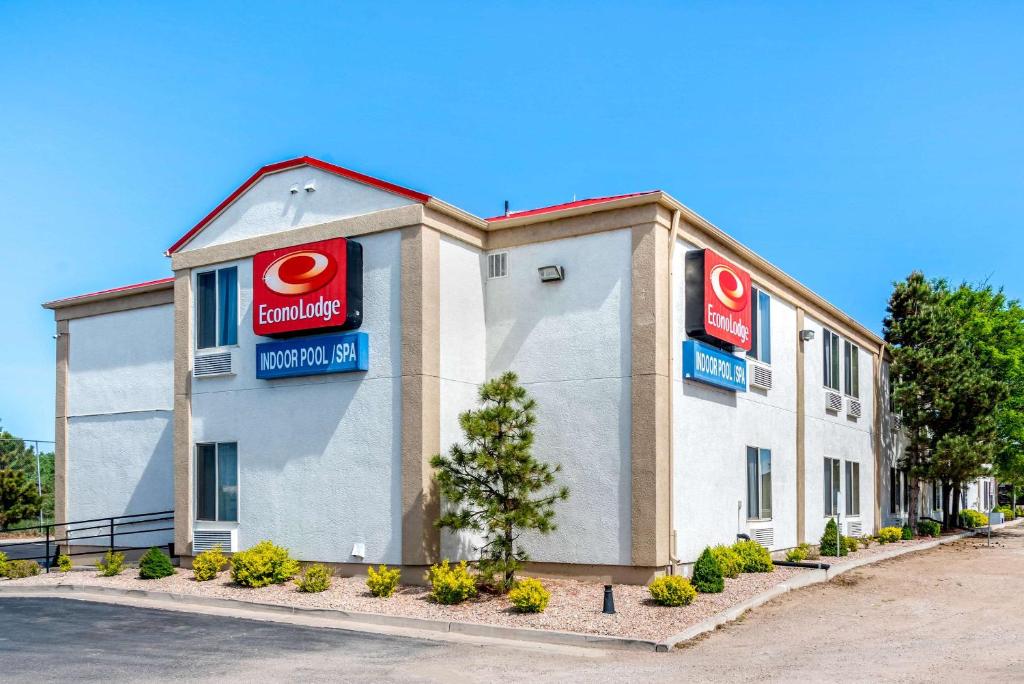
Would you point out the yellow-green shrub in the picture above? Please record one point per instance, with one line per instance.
(315, 578)
(382, 581)
(207, 564)
(754, 556)
(890, 535)
(852, 543)
(64, 563)
(728, 560)
(798, 554)
(928, 528)
(672, 590)
(16, 569)
(112, 564)
(450, 584)
(969, 518)
(263, 564)
(529, 596)
(3, 563)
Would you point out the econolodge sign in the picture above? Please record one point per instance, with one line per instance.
(317, 287)
(717, 300)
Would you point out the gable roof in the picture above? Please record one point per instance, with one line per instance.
(293, 164)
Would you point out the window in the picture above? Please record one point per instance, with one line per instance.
(936, 496)
(851, 368)
(831, 488)
(830, 359)
(217, 481)
(761, 326)
(497, 265)
(759, 483)
(894, 489)
(852, 488)
(217, 308)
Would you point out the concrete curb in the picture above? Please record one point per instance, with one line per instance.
(805, 580)
(345, 619)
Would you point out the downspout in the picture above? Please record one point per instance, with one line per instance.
(673, 561)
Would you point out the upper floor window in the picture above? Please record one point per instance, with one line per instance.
(761, 326)
(759, 483)
(851, 368)
(217, 308)
(830, 359)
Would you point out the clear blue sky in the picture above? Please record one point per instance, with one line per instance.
(847, 144)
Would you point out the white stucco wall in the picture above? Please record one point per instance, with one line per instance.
(270, 207)
(569, 342)
(320, 456)
(120, 398)
(712, 428)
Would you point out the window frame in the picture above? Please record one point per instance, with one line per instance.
(936, 495)
(833, 471)
(217, 313)
(756, 503)
(852, 473)
(217, 484)
(760, 317)
(851, 369)
(830, 365)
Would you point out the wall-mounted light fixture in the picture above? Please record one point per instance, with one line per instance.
(550, 274)
(310, 187)
(294, 190)
(806, 335)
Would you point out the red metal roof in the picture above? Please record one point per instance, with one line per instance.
(113, 290)
(291, 164)
(567, 205)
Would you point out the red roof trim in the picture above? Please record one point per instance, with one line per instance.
(567, 205)
(123, 288)
(291, 164)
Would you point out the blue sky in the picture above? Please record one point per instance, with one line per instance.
(848, 144)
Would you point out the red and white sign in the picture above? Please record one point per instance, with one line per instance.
(726, 301)
(300, 288)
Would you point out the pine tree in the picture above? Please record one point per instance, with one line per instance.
(707, 574)
(832, 543)
(19, 498)
(492, 482)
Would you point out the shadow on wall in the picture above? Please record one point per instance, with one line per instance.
(698, 390)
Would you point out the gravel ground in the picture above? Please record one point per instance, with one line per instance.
(875, 549)
(574, 607)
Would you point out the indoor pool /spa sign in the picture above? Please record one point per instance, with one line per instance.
(707, 364)
(338, 353)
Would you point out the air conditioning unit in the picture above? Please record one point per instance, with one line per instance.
(853, 407)
(833, 401)
(204, 540)
(853, 528)
(217, 363)
(761, 376)
(765, 536)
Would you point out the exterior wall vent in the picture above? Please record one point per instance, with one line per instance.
(853, 407)
(497, 265)
(853, 528)
(765, 536)
(761, 377)
(833, 402)
(204, 540)
(218, 363)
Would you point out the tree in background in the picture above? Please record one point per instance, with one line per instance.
(18, 458)
(493, 484)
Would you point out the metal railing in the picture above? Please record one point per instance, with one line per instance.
(111, 530)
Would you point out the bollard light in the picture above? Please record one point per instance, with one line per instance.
(609, 601)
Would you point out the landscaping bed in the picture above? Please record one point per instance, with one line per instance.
(575, 606)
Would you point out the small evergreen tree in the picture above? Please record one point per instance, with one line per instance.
(832, 543)
(707, 574)
(154, 564)
(493, 483)
(19, 498)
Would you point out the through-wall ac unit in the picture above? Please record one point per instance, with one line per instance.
(217, 363)
(765, 536)
(853, 528)
(204, 540)
(760, 376)
(833, 401)
(853, 407)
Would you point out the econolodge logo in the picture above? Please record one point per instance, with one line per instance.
(300, 272)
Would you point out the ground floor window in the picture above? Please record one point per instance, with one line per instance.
(899, 492)
(831, 488)
(759, 483)
(936, 495)
(217, 481)
(852, 488)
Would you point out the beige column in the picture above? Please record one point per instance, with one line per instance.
(60, 428)
(651, 385)
(183, 412)
(801, 426)
(421, 394)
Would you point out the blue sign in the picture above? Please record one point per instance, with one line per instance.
(337, 353)
(704, 363)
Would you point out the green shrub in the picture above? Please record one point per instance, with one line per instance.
(707, 574)
(928, 528)
(3, 564)
(315, 578)
(672, 590)
(852, 544)
(971, 519)
(451, 584)
(64, 563)
(208, 564)
(832, 543)
(906, 533)
(16, 569)
(262, 565)
(1006, 511)
(797, 554)
(155, 564)
(728, 560)
(889, 535)
(529, 596)
(383, 581)
(754, 556)
(112, 564)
